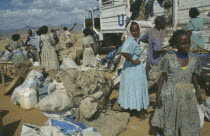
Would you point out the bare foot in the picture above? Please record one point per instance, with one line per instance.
(116, 107)
(142, 115)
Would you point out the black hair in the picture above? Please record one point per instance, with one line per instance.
(134, 23)
(159, 20)
(38, 32)
(194, 12)
(15, 37)
(65, 28)
(173, 41)
(52, 30)
(86, 31)
(43, 29)
(30, 30)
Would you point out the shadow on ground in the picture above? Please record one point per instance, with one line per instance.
(9, 129)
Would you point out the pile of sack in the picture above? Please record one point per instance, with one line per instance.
(73, 53)
(86, 91)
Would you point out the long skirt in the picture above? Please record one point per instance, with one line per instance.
(179, 113)
(89, 58)
(133, 93)
(18, 58)
(49, 59)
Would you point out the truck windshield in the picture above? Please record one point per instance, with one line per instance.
(96, 15)
(88, 18)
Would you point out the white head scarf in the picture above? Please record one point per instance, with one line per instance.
(129, 31)
(33, 32)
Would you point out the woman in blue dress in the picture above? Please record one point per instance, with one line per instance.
(195, 28)
(133, 93)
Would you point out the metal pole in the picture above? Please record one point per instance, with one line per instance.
(3, 75)
(175, 8)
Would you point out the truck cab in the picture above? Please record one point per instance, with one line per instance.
(108, 20)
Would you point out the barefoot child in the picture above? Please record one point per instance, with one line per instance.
(154, 39)
(177, 113)
(133, 93)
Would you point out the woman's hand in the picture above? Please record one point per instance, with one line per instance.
(158, 101)
(199, 99)
(136, 62)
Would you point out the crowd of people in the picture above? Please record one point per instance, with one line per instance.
(40, 46)
(176, 112)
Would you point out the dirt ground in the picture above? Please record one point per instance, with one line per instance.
(14, 117)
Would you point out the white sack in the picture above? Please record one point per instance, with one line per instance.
(32, 81)
(201, 115)
(56, 102)
(68, 63)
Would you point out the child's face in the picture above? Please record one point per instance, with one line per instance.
(161, 26)
(135, 30)
(183, 43)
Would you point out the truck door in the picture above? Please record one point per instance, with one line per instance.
(88, 20)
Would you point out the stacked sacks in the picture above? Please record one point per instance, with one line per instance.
(90, 91)
(73, 53)
(33, 80)
(110, 123)
(80, 84)
(57, 100)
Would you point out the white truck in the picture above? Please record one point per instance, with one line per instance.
(108, 20)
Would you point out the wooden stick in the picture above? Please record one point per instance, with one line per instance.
(200, 49)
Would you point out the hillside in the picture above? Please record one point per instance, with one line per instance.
(6, 33)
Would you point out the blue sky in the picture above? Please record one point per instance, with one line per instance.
(19, 13)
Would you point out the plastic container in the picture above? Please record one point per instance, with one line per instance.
(28, 98)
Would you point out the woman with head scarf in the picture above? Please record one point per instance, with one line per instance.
(33, 45)
(133, 93)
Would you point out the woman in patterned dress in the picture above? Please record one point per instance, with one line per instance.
(17, 53)
(49, 57)
(177, 113)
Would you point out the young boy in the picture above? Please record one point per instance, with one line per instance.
(67, 35)
(154, 39)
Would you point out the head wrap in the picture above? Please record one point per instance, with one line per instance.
(128, 30)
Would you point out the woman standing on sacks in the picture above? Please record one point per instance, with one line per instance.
(49, 57)
(89, 58)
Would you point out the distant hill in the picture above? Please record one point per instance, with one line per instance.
(25, 29)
